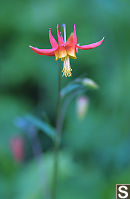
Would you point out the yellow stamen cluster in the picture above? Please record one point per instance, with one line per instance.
(66, 67)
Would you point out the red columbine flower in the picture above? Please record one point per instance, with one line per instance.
(64, 49)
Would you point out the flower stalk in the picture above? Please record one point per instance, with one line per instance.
(58, 128)
(57, 139)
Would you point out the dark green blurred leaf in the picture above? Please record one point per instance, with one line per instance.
(43, 126)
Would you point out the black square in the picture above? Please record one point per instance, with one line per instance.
(123, 191)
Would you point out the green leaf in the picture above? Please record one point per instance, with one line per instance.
(70, 88)
(43, 126)
(78, 84)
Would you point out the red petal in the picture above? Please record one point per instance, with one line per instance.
(74, 36)
(61, 37)
(72, 40)
(48, 52)
(90, 46)
(60, 40)
(52, 40)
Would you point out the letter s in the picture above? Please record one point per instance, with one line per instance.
(125, 193)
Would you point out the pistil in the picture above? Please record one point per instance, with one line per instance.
(64, 30)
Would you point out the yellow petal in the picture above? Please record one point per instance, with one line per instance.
(71, 52)
(57, 55)
(62, 52)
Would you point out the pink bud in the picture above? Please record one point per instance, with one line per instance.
(82, 106)
(17, 148)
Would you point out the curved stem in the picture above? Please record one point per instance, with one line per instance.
(65, 105)
(57, 139)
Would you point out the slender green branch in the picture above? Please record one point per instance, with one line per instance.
(57, 139)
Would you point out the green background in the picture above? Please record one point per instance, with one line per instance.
(94, 154)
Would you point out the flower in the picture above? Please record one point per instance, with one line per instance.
(64, 49)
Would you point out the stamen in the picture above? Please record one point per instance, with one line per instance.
(66, 67)
(64, 29)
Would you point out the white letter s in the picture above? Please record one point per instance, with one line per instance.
(125, 193)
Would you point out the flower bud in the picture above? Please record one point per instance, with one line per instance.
(82, 106)
(89, 83)
(17, 148)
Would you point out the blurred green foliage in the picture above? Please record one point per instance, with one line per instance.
(95, 151)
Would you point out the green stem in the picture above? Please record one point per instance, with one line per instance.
(57, 139)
